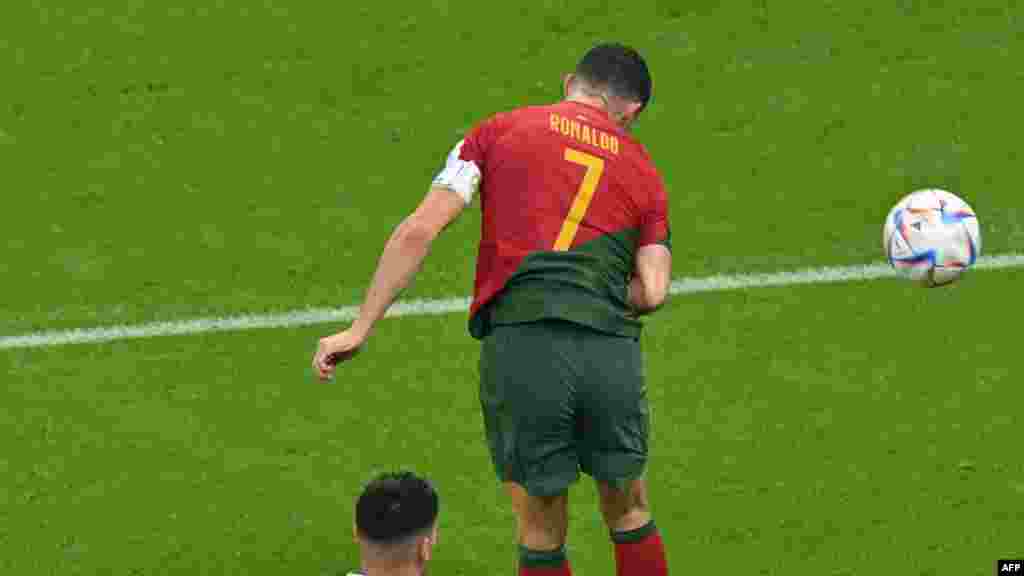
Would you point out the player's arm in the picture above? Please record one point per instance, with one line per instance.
(404, 253)
(402, 257)
(451, 192)
(652, 272)
(453, 189)
(652, 276)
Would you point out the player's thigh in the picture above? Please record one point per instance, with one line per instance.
(615, 418)
(527, 396)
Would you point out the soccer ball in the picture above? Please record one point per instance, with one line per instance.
(932, 236)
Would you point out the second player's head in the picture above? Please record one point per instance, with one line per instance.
(616, 75)
(396, 522)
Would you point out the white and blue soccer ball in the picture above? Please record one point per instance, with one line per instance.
(932, 236)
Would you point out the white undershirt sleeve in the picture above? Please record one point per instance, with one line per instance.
(460, 176)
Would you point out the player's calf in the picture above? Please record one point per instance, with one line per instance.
(638, 545)
(543, 522)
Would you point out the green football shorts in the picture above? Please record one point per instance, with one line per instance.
(558, 398)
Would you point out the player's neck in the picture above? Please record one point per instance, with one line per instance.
(593, 101)
(371, 569)
(598, 102)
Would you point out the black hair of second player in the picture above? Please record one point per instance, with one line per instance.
(620, 68)
(396, 506)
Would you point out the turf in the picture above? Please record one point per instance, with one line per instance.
(812, 456)
(167, 162)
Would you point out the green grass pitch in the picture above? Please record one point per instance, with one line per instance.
(164, 162)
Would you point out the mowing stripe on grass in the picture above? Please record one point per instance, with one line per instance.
(449, 305)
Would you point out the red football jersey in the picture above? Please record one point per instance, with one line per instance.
(567, 197)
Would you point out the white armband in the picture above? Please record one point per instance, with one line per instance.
(460, 176)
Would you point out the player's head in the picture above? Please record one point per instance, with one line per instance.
(396, 523)
(615, 74)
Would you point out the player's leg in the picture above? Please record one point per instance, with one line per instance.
(528, 403)
(542, 523)
(624, 505)
(638, 545)
(613, 449)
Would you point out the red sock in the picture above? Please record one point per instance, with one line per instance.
(553, 563)
(640, 552)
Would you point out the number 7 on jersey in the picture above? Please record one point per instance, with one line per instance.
(595, 167)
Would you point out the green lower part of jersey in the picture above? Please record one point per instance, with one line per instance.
(559, 398)
(588, 285)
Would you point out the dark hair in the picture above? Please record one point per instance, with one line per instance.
(618, 68)
(395, 506)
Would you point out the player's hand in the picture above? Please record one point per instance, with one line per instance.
(334, 350)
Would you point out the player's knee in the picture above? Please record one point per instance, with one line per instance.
(625, 507)
(543, 521)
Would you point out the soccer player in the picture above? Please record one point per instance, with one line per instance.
(396, 525)
(574, 248)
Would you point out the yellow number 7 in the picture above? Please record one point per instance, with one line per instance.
(595, 166)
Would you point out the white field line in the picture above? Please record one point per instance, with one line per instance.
(449, 305)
